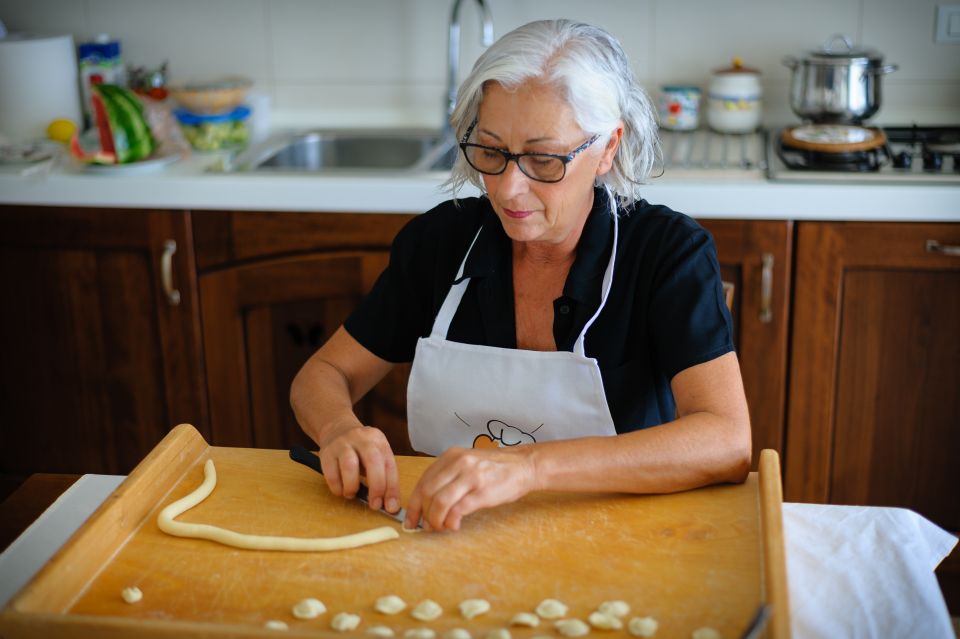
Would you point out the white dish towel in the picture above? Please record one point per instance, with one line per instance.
(861, 571)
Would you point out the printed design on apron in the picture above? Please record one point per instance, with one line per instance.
(500, 434)
(474, 396)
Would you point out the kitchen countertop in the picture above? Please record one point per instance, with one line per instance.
(701, 193)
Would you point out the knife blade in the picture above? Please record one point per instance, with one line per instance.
(305, 457)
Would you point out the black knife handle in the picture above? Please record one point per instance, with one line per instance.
(305, 457)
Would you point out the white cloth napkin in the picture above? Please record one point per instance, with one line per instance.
(861, 571)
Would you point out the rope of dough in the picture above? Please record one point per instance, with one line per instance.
(255, 542)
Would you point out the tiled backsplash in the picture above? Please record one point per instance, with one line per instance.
(383, 61)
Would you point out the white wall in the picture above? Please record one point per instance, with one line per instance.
(383, 61)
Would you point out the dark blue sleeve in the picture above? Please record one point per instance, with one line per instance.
(690, 323)
(390, 319)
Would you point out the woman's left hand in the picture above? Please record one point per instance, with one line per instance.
(464, 480)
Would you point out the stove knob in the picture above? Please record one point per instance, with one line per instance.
(902, 160)
(932, 161)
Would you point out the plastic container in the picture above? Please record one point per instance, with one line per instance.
(680, 108)
(215, 132)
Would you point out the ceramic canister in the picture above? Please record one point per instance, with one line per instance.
(735, 99)
(679, 108)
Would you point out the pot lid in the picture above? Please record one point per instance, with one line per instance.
(736, 68)
(839, 48)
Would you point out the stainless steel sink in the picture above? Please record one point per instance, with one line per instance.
(351, 152)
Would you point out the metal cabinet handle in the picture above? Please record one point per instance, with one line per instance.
(934, 246)
(166, 272)
(766, 288)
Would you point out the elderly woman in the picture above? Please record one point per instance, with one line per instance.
(565, 334)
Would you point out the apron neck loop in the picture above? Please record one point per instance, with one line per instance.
(578, 346)
(450, 304)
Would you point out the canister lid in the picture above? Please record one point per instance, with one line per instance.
(736, 67)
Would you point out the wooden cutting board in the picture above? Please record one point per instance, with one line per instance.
(707, 557)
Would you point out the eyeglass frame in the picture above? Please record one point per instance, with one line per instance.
(564, 158)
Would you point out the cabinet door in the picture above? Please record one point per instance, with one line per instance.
(262, 321)
(98, 363)
(755, 256)
(874, 414)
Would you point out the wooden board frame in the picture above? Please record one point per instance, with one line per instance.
(42, 608)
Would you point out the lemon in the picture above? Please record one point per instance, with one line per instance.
(61, 130)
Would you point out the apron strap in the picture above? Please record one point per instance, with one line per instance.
(578, 347)
(450, 304)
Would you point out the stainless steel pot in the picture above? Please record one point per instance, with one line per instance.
(838, 83)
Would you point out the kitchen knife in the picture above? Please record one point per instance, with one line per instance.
(305, 457)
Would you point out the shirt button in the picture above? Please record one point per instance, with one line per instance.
(564, 309)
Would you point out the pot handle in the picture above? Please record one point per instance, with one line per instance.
(790, 61)
(828, 45)
(885, 69)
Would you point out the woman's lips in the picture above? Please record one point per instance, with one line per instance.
(517, 215)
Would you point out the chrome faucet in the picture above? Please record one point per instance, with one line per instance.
(453, 50)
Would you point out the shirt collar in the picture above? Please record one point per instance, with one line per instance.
(593, 250)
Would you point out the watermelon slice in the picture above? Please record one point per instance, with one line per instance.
(97, 157)
(124, 133)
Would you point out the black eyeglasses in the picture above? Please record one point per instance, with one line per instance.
(542, 167)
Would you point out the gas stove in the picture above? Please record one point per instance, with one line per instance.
(901, 155)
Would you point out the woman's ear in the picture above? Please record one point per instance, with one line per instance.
(610, 151)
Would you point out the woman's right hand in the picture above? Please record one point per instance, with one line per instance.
(350, 449)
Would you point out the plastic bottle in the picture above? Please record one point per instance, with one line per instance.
(100, 63)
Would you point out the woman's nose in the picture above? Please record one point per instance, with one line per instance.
(512, 180)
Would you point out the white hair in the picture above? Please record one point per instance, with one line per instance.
(592, 72)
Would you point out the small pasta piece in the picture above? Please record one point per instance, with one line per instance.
(309, 608)
(471, 608)
(427, 610)
(276, 624)
(380, 631)
(131, 595)
(525, 619)
(345, 622)
(643, 626)
(390, 605)
(572, 628)
(552, 609)
(616, 608)
(604, 621)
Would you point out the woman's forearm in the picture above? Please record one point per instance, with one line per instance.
(320, 398)
(696, 450)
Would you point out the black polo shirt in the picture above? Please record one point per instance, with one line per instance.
(665, 311)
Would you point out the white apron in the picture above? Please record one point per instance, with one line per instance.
(473, 396)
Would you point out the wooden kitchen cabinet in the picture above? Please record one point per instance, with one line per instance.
(756, 257)
(97, 362)
(273, 288)
(874, 401)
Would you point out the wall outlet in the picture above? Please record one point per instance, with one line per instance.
(948, 24)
